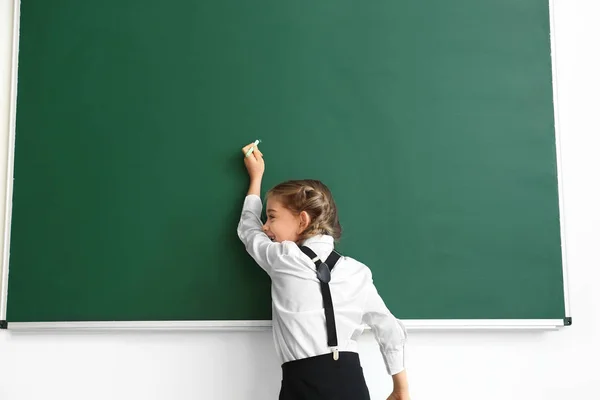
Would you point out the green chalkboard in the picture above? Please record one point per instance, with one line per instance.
(432, 123)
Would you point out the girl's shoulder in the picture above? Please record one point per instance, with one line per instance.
(347, 267)
(355, 267)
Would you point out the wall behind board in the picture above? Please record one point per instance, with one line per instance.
(444, 365)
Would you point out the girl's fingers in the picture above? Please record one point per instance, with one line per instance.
(256, 153)
(246, 148)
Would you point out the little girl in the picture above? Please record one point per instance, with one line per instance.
(321, 300)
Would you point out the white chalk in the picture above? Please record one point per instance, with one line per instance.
(251, 149)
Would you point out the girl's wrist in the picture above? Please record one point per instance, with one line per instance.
(400, 383)
(255, 184)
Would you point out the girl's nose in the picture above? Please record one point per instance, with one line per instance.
(264, 228)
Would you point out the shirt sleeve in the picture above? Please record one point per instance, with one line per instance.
(389, 332)
(264, 251)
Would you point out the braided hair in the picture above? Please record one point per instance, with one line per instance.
(316, 199)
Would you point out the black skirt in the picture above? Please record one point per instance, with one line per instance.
(323, 378)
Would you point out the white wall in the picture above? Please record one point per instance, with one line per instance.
(557, 365)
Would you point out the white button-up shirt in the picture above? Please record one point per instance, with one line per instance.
(299, 327)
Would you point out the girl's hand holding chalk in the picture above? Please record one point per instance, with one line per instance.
(253, 159)
(252, 146)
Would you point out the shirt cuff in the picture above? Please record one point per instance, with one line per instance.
(394, 361)
(253, 203)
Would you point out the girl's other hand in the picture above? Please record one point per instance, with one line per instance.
(399, 396)
(255, 165)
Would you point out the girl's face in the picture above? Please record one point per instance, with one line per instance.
(281, 223)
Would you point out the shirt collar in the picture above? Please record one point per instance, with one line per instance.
(320, 239)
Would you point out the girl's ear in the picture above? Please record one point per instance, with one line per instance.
(304, 222)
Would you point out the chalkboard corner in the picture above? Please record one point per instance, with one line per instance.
(568, 321)
(3, 324)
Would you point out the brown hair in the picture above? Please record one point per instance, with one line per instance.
(315, 198)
